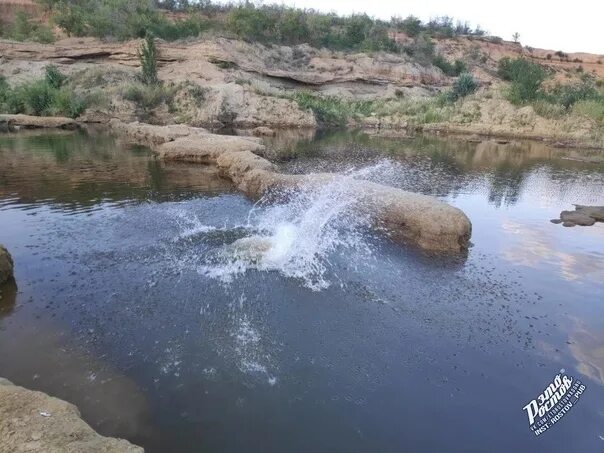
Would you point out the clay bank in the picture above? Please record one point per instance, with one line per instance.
(418, 219)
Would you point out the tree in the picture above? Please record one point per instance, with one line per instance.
(411, 25)
(516, 37)
(147, 55)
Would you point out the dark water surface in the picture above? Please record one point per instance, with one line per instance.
(129, 305)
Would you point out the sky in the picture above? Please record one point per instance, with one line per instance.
(576, 26)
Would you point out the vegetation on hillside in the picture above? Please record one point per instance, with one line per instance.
(44, 97)
(527, 86)
(23, 28)
(271, 24)
(529, 82)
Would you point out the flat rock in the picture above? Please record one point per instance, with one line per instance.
(595, 212)
(35, 122)
(582, 215)
(577, 218)
(33, 421)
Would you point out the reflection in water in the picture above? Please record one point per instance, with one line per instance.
(114, 314)
(79, 171)
(449, 167)
(587, 346)
(532, 246)
(8, 296)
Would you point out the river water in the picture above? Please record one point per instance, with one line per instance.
(177, 313)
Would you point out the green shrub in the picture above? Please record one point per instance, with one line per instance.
(23, 29)
(526, 78)
(148, 97)
(422, 49)
(463, 86)
(4, 89)
(44, 97)
(122, 19)
(548, 109)
(147, 55)
(192, 26)
(568, 95)
(126, 19)
(251, 23)
(54, 77)
(450, 69)
(67, 103)
(418, 111)
(330, 110)
(293, 27)
(591, 108)
(37, 97)
(411, 25)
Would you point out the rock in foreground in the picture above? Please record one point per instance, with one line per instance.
(6, 265)
(35, 422)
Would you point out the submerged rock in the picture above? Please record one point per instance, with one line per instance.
(36, 422)
(6, 265)
(582, 215)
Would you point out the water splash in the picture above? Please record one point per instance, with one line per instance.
(298, 236)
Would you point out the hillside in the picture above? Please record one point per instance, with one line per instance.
(403, 83)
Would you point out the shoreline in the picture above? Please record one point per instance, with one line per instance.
(13, 123)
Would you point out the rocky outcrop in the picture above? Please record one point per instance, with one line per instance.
(582, 215)
(300, 64)
(6, 265)
(34, 122)
(419, 219)
(35, 422)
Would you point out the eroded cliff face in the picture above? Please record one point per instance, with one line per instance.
(217, 82)
(220, 82)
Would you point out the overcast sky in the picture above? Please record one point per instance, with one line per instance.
(575, 26)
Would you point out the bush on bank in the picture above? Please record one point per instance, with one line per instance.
(527, 87)
(44, 97)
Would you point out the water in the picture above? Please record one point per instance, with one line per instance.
(179, 314)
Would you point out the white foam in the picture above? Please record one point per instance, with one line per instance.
(297, 237)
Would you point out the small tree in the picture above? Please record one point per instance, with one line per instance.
(516, 37)
(147, 54)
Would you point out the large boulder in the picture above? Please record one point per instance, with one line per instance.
(6, 265)
(35, 422)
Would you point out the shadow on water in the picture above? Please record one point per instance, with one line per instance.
(180, 315)
(8, 297)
